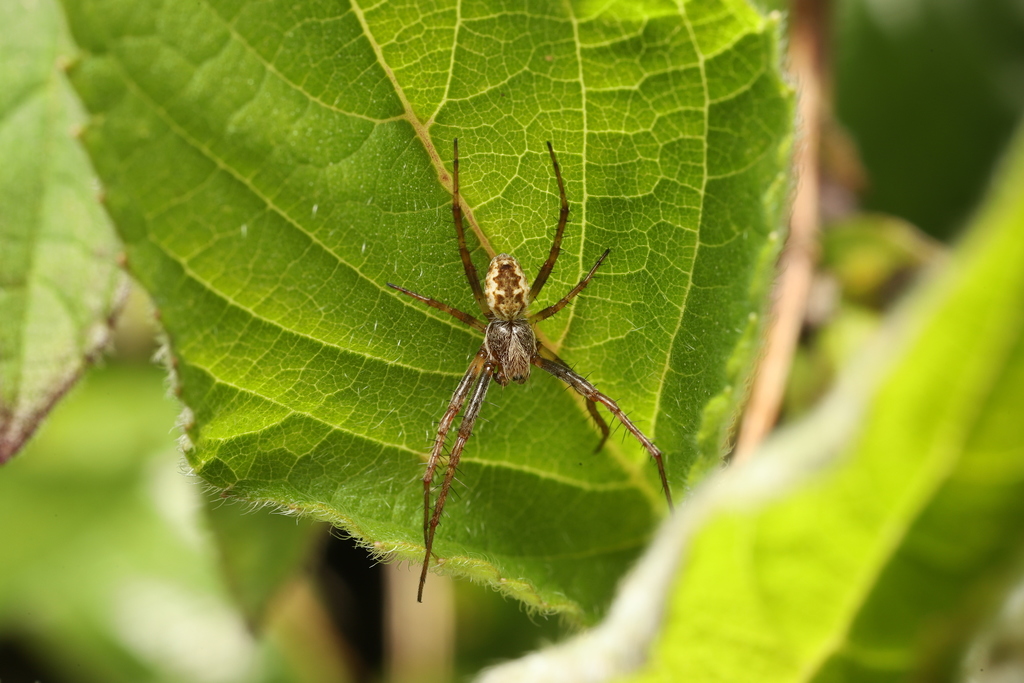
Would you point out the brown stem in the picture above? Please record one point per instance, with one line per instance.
(796, 264)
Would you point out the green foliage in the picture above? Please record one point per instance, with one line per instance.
(879, 568)
(270, 166)
(59, 284)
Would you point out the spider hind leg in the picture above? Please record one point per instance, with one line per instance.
(546, 352)
(589, 391)
(473, 388)
(467, 261)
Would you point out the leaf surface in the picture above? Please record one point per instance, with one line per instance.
(59, 282)
(272, 165)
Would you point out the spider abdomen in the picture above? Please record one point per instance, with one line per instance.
(511, 344)
(506, 287)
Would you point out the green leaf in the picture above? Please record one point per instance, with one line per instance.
(272, 165)
(59, 283)
(878, 569)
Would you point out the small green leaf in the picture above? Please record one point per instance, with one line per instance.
(878, 569)
(59, 283)
(272, 165)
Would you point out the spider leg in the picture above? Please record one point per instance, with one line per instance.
(588, 390)
(467, 260)
(601, 424)
(556, 246)
(591, 406)
(478, 377)
(555, 308)
(451, 310)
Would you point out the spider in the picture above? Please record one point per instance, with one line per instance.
(510, 347)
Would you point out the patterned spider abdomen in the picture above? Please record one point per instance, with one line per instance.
(506, 287)
(510, 344)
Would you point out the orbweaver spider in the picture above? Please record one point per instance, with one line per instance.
(510, 347)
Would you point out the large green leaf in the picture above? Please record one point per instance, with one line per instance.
(271, 165)
(59, 282)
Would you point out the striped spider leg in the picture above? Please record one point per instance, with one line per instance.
(509, 349)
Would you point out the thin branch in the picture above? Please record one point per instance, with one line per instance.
(796, 264)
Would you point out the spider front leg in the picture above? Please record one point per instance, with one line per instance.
(555, 308)
(590, 392)
(477, 378)
(556, 246)
(441, 306)
(467, 260)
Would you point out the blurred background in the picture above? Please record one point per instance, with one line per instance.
(918, 99)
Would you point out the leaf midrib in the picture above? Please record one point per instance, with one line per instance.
(421, 130)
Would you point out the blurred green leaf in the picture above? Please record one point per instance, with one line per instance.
(874, 257)
(272, 165)
(59, 283)
(106, 572)
(879, 569)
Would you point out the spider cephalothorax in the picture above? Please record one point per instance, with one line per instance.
(510, 347)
